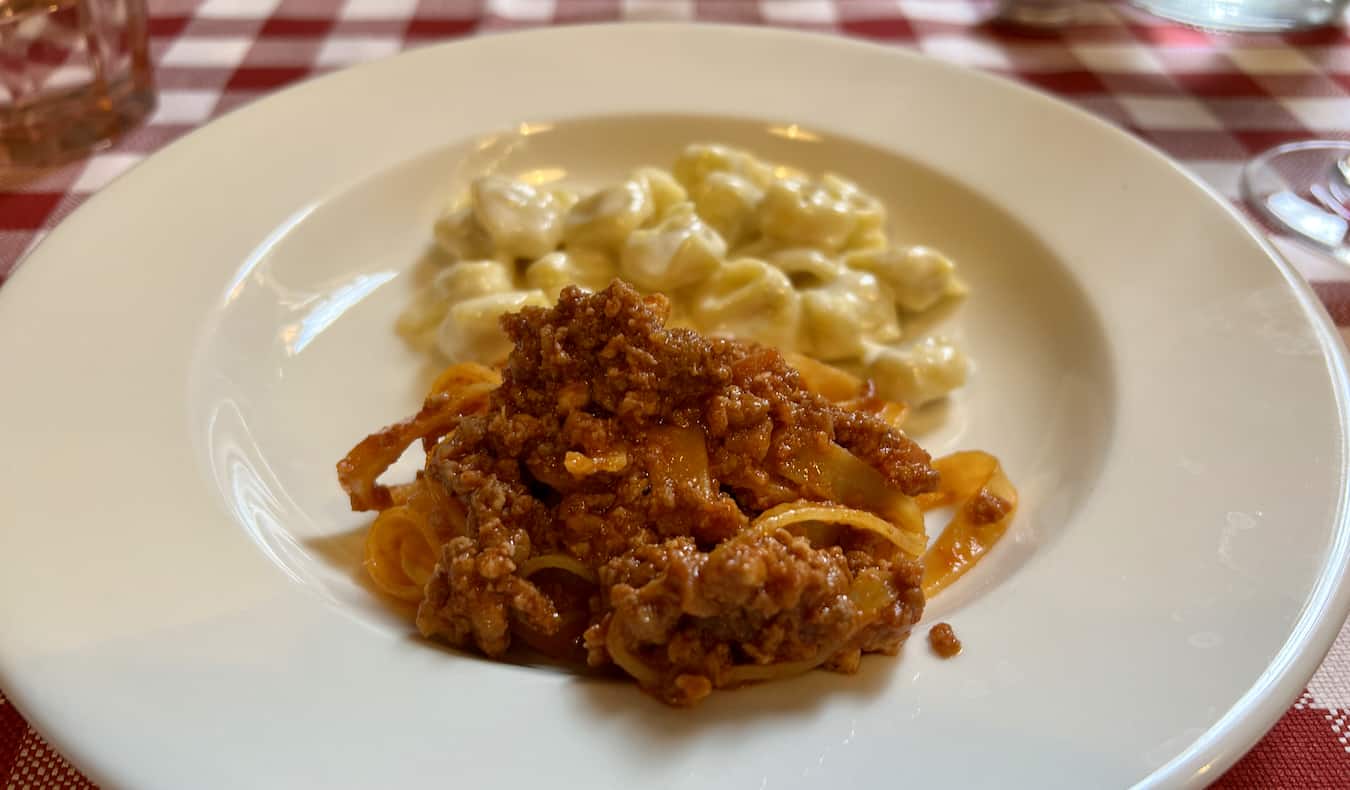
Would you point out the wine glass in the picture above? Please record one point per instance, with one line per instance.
(1302, 190)
(1253, 16)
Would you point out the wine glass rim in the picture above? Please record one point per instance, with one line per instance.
(1271, 219)
(1301, 145)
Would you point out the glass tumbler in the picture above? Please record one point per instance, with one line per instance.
(74, 74)
(1257, 16)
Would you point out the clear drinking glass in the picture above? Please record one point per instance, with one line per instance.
(1263, 16)
(1302, 191)
(74, 74)
(1297, 190)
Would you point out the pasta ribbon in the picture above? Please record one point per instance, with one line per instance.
(626, 660)
(683, 454)
(461, 389)
(893, 412)
(560, 562)
(415, 518)
(757, 673)
(569, 597)
(829, 382)
(465, 380)
(790, 513)
(399, 557)
(441, 515)
(837, 475)
(985, 500)
(847, 390)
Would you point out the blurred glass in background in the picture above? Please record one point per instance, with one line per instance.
(74, 74)
(1264, 16)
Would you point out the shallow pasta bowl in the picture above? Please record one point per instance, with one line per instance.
(189, 353)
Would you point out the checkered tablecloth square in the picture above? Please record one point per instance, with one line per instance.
(1209, 100)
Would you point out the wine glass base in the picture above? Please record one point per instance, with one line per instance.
(1250, 16)
(1302, 190)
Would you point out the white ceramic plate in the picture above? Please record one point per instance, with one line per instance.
(185, 358)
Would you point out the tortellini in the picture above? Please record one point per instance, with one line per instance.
(827, 214)
(460, 236)
(750, 299)
(918, 277)
(924, 372)
(807, 267)
(604, 220)
(664, 190)
(869, 214)
(729, 203)
(468, 279)
(453, 284)
(678, 251)
(521, 220)
(700, 160)
(740, 246)
(588, 269)
(472, 328)
(842, 315)
(803, 214)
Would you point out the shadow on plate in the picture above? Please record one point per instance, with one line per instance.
(656, 729)
(608, 692)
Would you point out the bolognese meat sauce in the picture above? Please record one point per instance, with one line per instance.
(643, 455)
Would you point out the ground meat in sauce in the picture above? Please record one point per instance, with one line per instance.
(943, 640)
(585, 450)
(985, 508)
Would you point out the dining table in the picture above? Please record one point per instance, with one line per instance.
(1209, 100)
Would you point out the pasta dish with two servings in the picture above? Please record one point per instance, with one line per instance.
(692, 510)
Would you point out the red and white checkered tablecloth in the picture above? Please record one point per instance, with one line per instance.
(1209, 100)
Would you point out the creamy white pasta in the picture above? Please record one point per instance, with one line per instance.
(741, 246)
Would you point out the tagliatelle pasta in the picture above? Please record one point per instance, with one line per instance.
(689, 510)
